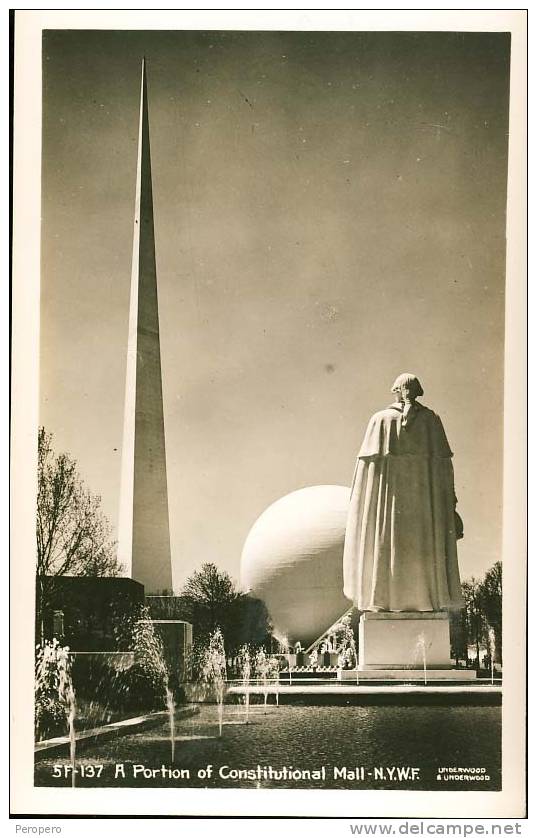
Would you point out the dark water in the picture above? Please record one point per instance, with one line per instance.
(386, 747)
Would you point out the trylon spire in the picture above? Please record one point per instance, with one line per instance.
(144, 531)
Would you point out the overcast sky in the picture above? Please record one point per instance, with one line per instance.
(329, 212)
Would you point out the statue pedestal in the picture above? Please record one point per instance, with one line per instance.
(404, 646)
(404, 640)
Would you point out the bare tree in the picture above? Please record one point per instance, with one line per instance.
(210, 600)
(211, 590)
(73, 536)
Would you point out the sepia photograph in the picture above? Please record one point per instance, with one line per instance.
(269, 492)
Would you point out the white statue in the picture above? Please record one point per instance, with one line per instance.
(401, 540)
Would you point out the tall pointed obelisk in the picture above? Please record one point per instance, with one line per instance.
(144, 531)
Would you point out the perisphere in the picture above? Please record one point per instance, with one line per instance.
(293, 560)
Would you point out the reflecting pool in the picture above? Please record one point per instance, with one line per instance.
(372, 747)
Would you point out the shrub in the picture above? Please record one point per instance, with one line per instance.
(134, 688)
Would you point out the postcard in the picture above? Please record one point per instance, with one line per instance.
(268, 402)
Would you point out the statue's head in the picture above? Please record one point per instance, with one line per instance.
(407, 387)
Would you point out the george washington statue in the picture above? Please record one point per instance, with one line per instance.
(401, 539)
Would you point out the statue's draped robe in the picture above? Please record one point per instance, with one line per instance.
(400, 544)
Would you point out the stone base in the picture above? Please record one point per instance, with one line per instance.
(353, 675)
(404, 640)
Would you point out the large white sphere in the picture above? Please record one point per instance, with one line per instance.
(293, 560)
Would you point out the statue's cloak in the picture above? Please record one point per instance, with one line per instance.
(400, 544)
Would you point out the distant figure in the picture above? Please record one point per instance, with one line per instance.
(401, 539)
